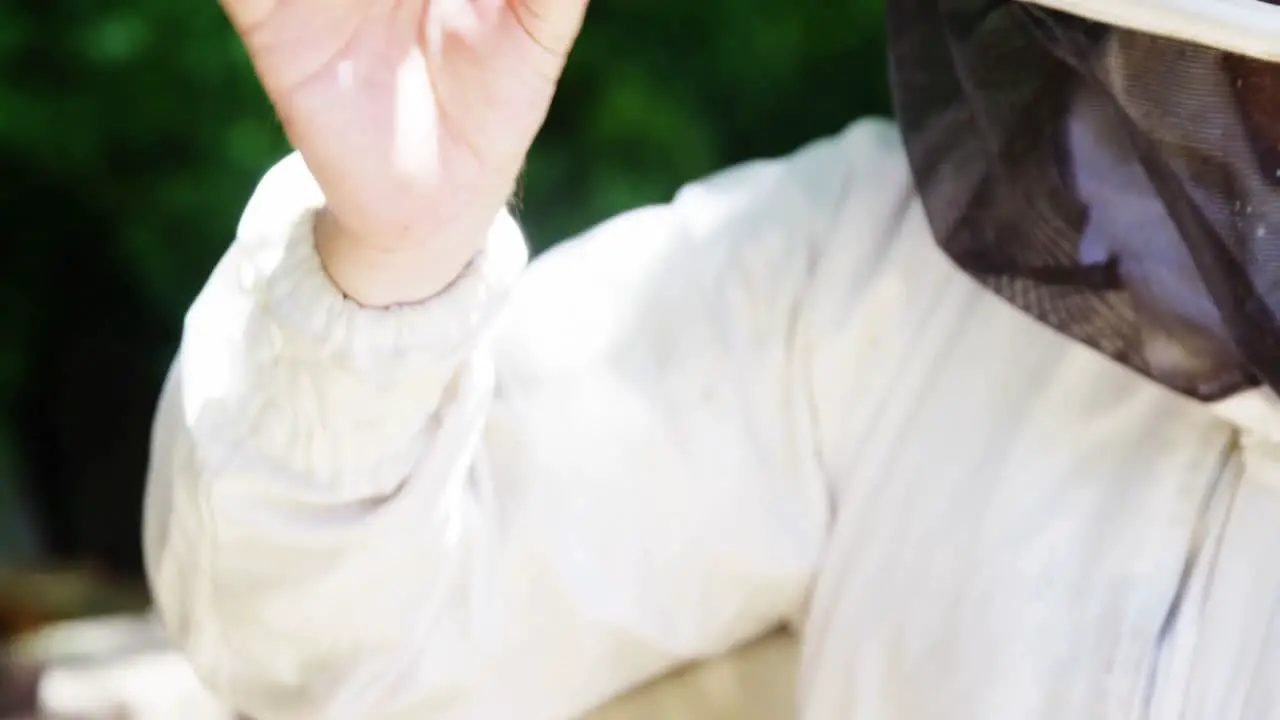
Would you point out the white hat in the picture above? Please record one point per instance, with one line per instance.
(1244, 27)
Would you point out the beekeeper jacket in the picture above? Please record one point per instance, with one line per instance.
(772, 400)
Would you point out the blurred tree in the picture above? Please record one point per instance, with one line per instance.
(131, 135)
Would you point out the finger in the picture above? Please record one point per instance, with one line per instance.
(553, 24)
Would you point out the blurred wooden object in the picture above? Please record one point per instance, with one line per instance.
(35, 607)
(114, 663)
(32, 599)
(107, 668)
(757, 682)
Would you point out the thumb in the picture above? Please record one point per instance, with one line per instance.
(553, 24)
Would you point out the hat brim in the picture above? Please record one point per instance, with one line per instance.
(1243, 27)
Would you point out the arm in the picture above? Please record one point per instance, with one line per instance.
(512, 499)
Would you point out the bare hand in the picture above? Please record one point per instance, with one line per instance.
(414, 116)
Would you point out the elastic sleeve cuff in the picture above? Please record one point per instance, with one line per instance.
(299, 295)
(276, 357)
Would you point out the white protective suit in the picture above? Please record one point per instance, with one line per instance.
(772, 401)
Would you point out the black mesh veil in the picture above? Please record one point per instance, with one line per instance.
(1121, 187)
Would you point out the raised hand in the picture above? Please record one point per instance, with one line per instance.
(414, 116)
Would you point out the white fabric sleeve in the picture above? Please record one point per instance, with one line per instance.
(518, 498)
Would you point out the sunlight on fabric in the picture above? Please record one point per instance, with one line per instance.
(209, 369)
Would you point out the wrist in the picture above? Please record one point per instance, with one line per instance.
(380, 275)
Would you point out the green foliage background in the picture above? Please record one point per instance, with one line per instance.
(132, 133)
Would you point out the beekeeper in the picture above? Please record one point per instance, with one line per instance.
(980, 400)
